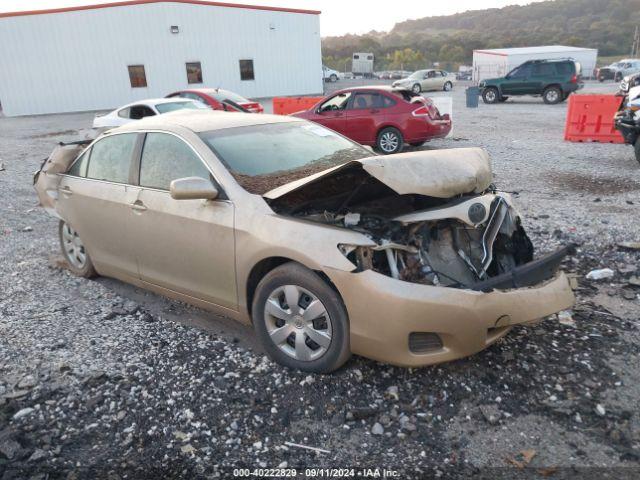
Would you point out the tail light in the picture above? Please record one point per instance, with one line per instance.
(427, 110)
(574, 79)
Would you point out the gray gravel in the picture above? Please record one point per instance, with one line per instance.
(99, 379)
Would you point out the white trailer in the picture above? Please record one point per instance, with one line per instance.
(498, 62)
(362, 64)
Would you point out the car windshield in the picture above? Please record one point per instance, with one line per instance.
(264, 157)
(171, 106)
(418, 74)
(222, 95)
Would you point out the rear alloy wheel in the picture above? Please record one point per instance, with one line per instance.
(300, 320)
(552, 95)
(75, 252)
(490, 95)
(390, 141)
(416, 88)
(447, 86)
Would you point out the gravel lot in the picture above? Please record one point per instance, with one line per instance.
(99, 379)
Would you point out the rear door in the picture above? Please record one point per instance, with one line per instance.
(94, 198)
(185, 246)
(517, 81)
(543, 74)
(365, 114)
(332, 113)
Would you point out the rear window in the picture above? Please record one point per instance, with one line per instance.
(222, 95)
(170, 107)
(566, 68)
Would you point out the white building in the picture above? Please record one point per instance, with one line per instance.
(500, 61)
(102, 56)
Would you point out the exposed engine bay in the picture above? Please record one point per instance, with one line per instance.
(451, 242)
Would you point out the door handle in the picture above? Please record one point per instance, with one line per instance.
(138, 206)
(66, 191)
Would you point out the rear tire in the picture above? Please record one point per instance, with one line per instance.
(552, 95)
(636, 149)
(490, 95)
(287, 333)
(617, 77)
(389, 141)
(74, 252)
(417, 88)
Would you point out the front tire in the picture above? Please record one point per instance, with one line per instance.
(417, 88)
(300, 320)
(490, 95)
(447, 86)
(389, 141)
(74, 251)
(552, 95)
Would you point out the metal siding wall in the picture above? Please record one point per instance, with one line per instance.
(77, 61)
(587, 59)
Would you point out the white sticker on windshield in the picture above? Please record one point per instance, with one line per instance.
(321, 132)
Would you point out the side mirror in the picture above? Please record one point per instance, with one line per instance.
(193, 188)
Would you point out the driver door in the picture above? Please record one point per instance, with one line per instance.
(332, 113)
(517, 81)
(185, 246)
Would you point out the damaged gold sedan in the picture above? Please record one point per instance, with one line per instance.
(410, 259)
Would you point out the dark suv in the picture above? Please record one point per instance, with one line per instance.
(555, 80)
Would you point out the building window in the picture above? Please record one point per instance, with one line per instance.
(137, 77)
(194, 72)
(246, 70)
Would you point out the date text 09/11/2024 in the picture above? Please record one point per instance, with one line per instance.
(316, 472)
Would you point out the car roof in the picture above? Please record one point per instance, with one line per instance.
(384, 88)
(203, 120)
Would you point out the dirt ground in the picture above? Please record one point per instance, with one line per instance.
(99, 379)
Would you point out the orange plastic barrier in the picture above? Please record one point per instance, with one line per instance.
(590, 119)
(287, 105)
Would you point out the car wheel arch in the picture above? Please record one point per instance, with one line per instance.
(266, 265)
(553, 85)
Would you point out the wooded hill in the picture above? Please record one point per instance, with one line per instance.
(607, 25)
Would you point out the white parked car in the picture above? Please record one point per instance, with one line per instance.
(143, 108)
(329, 74)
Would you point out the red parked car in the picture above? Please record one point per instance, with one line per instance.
(220, 99)
(382, 117)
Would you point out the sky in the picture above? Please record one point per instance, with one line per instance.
(338, 16)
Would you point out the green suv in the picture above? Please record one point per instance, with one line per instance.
(554, 80)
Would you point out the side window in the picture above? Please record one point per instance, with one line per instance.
(165, 158)
(337, 102)
(79, 167)
(124, 113)
(111, 158)
(543, 70)
(140, 111)
(362, 101)
(194, 72)
(387, 101)
(246, 70)
(137, 76)
(523, 71)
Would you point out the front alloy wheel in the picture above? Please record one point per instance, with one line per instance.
(416, 88)
(300, 320)
(298, 323)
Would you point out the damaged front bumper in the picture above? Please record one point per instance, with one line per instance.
(409, 324)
